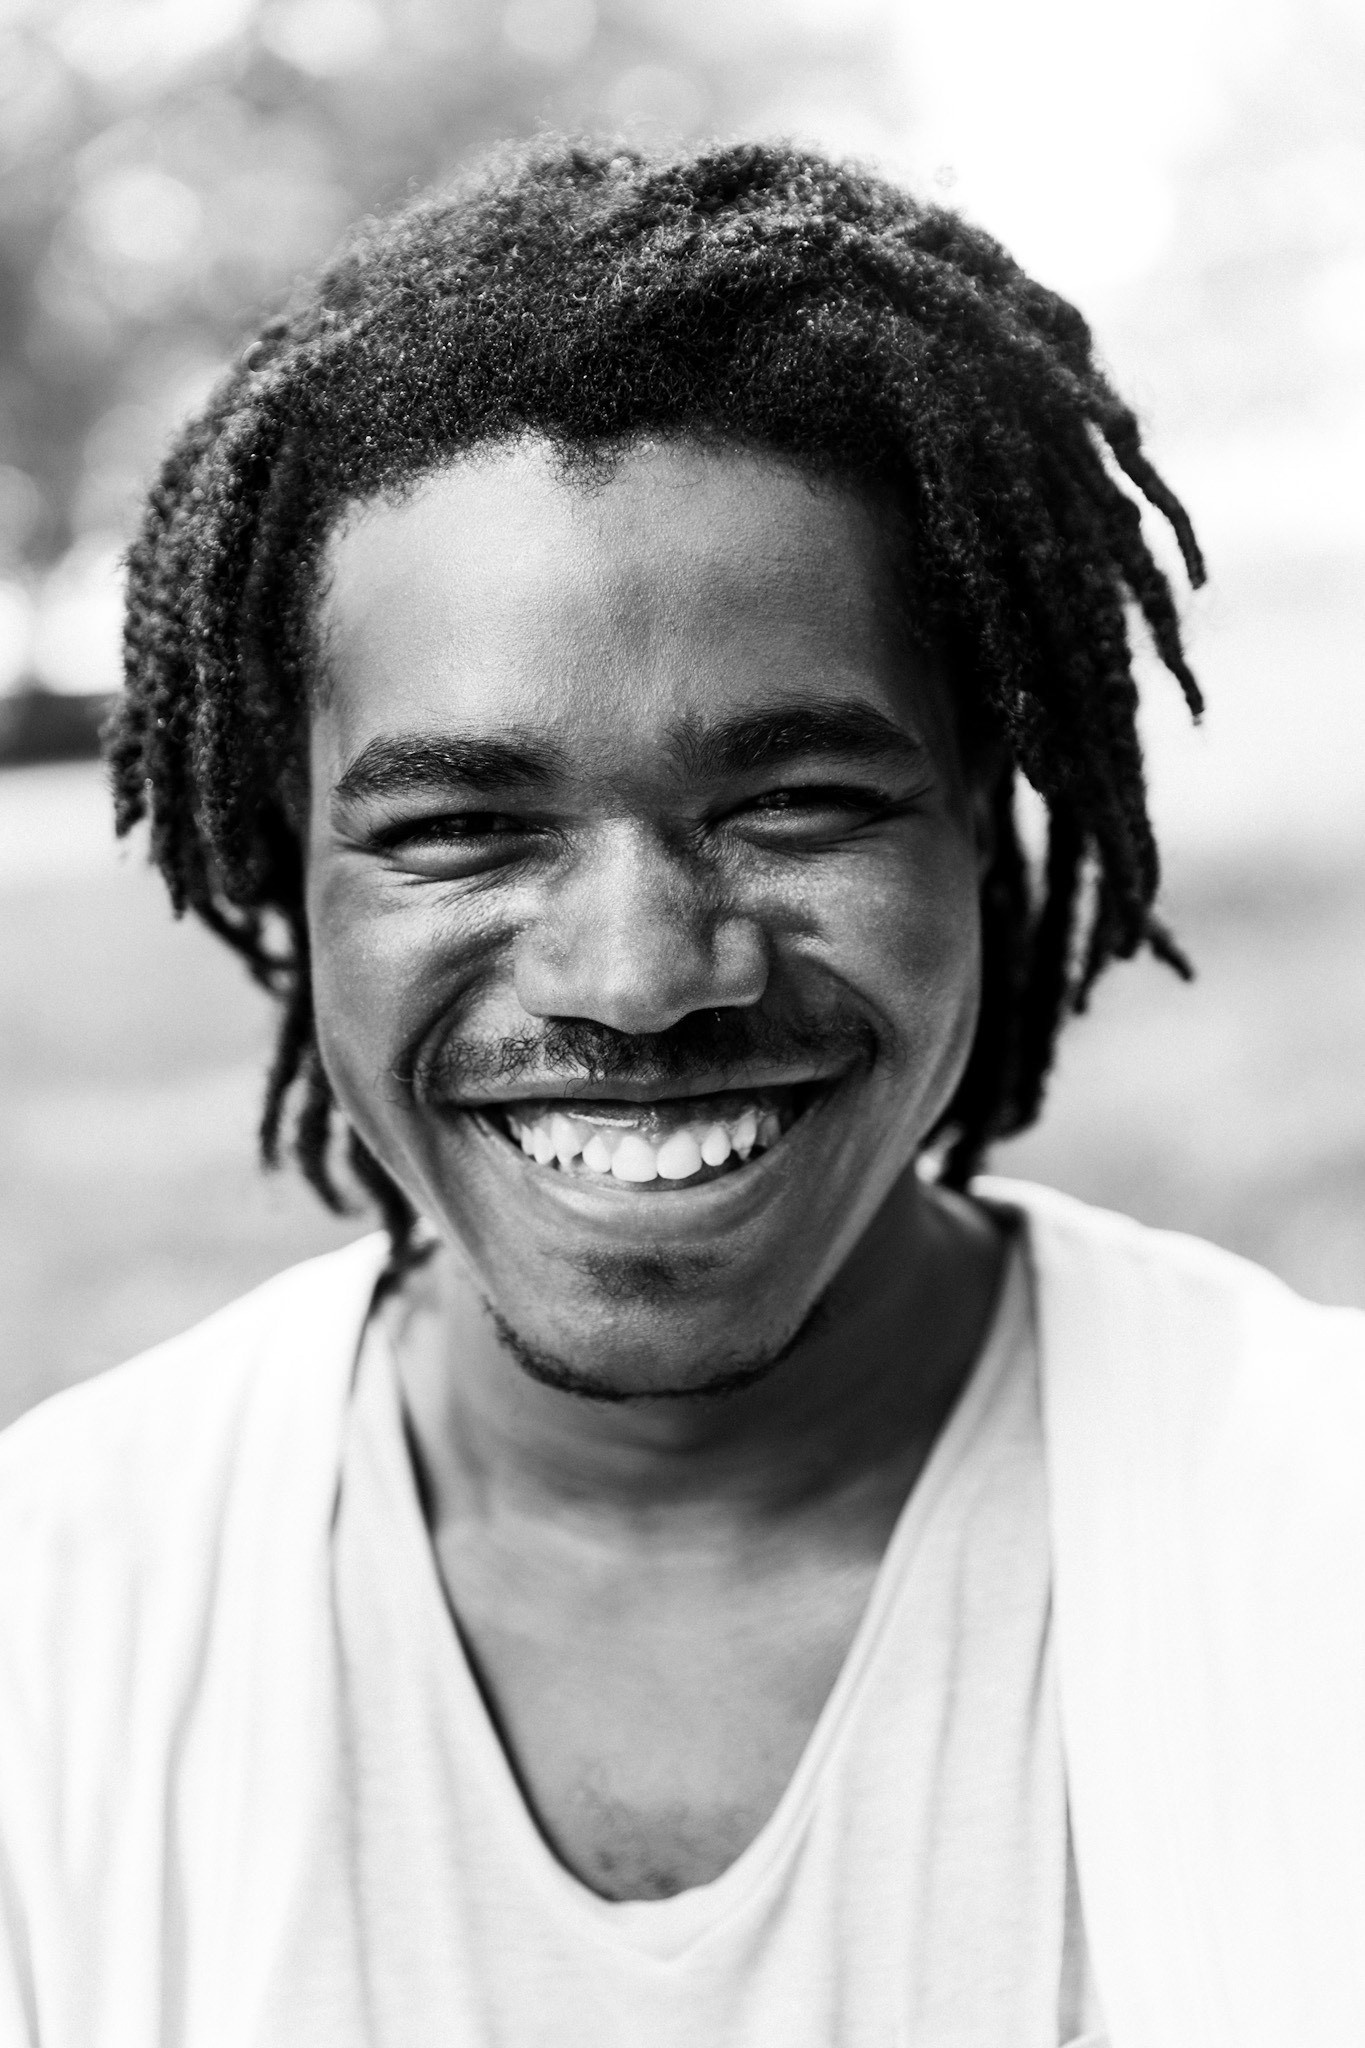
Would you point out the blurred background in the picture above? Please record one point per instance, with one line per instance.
(1192, 173)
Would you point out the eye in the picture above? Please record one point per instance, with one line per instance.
(453, 843)
(813, 810)
(456, 827)
(818, 796)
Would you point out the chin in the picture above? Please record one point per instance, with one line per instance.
(629, 1361)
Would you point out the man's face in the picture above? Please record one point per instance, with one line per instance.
(642, 885)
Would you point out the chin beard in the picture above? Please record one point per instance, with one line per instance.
(730, 1374)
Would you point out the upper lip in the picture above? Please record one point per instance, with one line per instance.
(561, 1088)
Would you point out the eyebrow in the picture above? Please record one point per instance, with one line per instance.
(390, 767)
(767, 739)
(403, 764)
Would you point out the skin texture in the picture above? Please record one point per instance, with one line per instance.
(657, 1592)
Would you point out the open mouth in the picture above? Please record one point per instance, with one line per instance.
(679, 1141)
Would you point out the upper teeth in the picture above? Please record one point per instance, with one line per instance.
(630, 1155)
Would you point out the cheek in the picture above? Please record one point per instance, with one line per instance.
(388, 961)
(352, 1003)
(903, 932)
(938, 964)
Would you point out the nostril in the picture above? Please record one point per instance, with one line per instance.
(641, 971)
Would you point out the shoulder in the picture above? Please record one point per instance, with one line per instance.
(159, 1413)
(1091, 1263)
(123, 1479)
(1161, 1354)
(163, 1556)
(1204, 1432)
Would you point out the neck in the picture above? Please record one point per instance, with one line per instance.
(860, 1396)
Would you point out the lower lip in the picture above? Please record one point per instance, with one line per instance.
(678, 1211)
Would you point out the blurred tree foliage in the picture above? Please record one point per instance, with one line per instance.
(1254, 317)
(168, 167)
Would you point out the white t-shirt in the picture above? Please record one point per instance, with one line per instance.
(188, 1827)
(913, 1886)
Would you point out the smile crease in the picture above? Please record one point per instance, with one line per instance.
(642, 1142)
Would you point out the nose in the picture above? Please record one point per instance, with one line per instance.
(634, 935)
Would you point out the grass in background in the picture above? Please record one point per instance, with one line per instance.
(132, 1048)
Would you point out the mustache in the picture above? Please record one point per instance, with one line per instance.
(704, 1045)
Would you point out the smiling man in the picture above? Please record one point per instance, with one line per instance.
(663, 745)
(713, 1570)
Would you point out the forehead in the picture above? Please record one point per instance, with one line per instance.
(679, 584)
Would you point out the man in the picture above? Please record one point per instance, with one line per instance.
(713, 1571)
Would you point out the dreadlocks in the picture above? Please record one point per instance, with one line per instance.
(754, 295)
